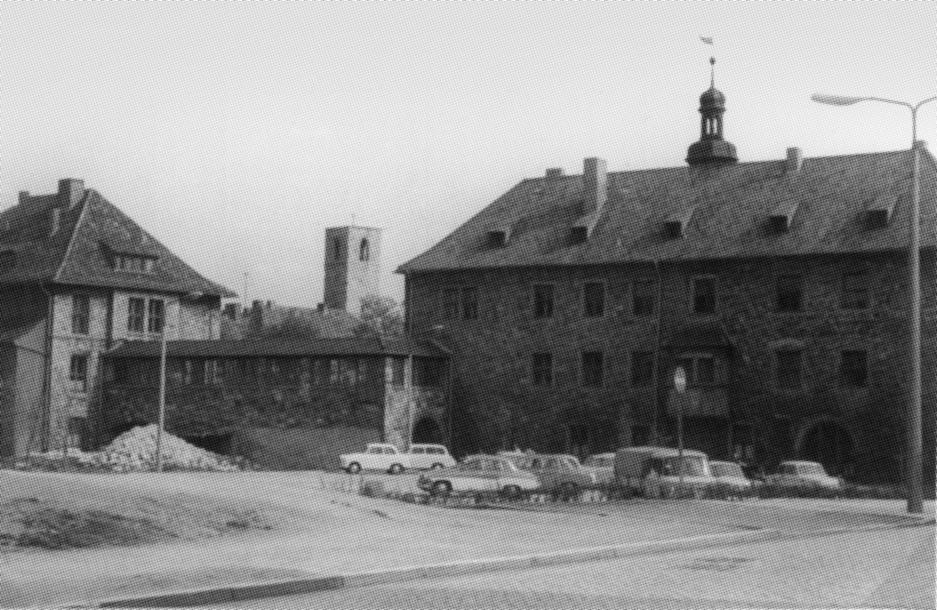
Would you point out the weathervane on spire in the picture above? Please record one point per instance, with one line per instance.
(712, 61)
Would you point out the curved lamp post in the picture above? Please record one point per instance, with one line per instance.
(915, 466)
(162, 374)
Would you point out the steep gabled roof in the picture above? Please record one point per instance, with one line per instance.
(81, 251)
(731, 206)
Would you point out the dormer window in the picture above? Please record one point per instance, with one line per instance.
(134, 262)
(878, 211)
(676, 224)
(782, 216)
(497, 238)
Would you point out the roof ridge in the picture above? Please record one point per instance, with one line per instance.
(85, 204)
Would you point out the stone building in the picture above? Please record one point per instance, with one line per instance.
(780, 286)
(283, 403)
(352, 267)
(76, 277)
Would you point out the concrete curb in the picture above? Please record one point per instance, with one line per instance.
(235, 593)
(221, 595)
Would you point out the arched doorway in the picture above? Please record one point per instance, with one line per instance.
(427, 431)
(829, 443)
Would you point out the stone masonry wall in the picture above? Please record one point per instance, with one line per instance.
(495, 405)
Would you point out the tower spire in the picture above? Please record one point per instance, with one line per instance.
(711, 149)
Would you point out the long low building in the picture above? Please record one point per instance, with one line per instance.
(281, 403)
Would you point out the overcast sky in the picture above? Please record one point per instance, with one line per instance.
(237, 132)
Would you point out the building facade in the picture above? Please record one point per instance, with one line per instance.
(77, 276)
(283, 403)
(781, 287)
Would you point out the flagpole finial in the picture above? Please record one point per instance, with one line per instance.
(712, 72)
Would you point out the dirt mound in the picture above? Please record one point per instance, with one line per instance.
(135, 451)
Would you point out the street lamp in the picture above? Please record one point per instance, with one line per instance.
(162, 376)
(679, 384)
(915, 466)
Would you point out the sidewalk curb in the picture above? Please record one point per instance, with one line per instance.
(236, 593)
(221, 595)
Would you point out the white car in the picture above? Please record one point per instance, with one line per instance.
(479, 473)
(800, 473)
(377, 456)
(428, 455)
(729, 473)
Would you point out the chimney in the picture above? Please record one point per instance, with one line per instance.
(554, 172)
(71, 191)
(795, 158)
(595, 186)
(920, 145)
(24, 196)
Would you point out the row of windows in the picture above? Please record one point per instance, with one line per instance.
(701, 370)
(592, 369)
(143, 315)
(461, 302)
(316, 371)
(130, 262)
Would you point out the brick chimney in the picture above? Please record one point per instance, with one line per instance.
(795, 159)
(554, 173)
(595, 185)
(71, 191)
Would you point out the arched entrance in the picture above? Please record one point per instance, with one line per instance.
(826, 442)
(427, 431)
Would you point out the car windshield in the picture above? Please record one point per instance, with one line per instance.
(726, 470)
(692, 466)
(598, 461)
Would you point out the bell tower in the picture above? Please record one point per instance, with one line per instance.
(711, 149)
(352, 267)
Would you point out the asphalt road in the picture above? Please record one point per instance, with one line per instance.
(888, 568)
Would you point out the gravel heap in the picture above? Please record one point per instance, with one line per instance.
(135, 451)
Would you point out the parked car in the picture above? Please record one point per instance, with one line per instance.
(635, 466)
(801, 473)
(376, 456)
(602, 465)
(557, 472)
(479, 473)
(427, 455)
(730, 474)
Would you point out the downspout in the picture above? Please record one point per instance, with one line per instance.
(45, 424)
(660, 309)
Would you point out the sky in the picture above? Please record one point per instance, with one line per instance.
(235, 133)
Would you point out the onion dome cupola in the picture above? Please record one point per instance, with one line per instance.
(711, 148)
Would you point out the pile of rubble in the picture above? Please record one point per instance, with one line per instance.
(135, 451)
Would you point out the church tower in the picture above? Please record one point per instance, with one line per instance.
(711, 149)
(352, 267)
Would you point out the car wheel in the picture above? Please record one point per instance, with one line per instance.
(441, 488)
(511, 491)
(396, 468)
(436, 466)
(354, 468)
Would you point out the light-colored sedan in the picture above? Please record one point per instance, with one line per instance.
(557, 472)
(479, 473)
(602, 466)
(800, 473)
(729, 473)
